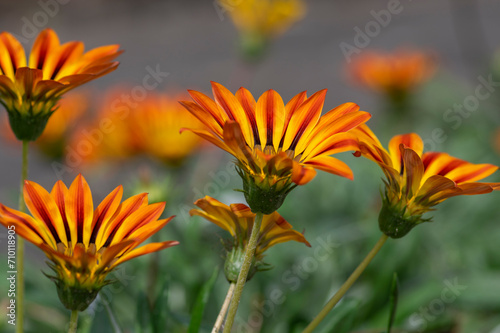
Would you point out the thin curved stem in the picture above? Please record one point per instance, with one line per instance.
(345, 287)
(20, 246)
(223, 309)
(73, 322)
(245, 268)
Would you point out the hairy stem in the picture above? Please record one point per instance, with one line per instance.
(73, 322)
(20, 246)
(223, 309)
(245, 268)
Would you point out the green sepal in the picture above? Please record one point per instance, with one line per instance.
(75, 298)
(264, 198)
(233, 263)
(395, 221)
(28, 127)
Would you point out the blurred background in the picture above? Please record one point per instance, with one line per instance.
(432, 67)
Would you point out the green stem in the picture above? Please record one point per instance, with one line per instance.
(345, 287)
(73, 321)
(245, 268)
(223, 309)
(20, 246)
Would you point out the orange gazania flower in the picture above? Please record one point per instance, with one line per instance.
(84, 244)
(238, 220)
(417, 181)
(397, 72)
(30, 88)
(277, 146)
(155, 125)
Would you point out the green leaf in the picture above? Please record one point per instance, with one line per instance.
(393, 300)
(343, 318)
(144, 320)
(112, 319)
(160, 309)
(201, 302)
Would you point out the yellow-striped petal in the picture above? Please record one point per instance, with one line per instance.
(140, 217)
(331, 165)
(80, 209)
(12, 55)
(303, 120)
(269, 114)
(413, 170)
(249, 104)
(43, 51)
(105, 211)
(125, 209)
(229, 103)
(410, 140)
(43, 208)
(149, 248)
(26, 226)
(60, 193)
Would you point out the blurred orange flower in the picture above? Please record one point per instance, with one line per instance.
(277, 146)
(30, 90)
(238, 220)
(106, 136)
(417, 181)
(155, 128)
(496, 141)
(84, 244)
(398, 72)
(150, 127)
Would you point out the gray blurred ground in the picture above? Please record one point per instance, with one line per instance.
(195, 44)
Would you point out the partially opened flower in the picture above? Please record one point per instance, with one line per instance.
(416, 181)
(238, 220)
(260, 20)
(84, 244)
(30, 88)
(277, 146)
(155, 125)
(393, 73)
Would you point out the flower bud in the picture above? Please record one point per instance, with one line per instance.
(234, 261)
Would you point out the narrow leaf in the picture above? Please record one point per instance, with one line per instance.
(201, 302)
(160, 309)
(343, 319)
(112, 319)
(143, 314)
(393, 300)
